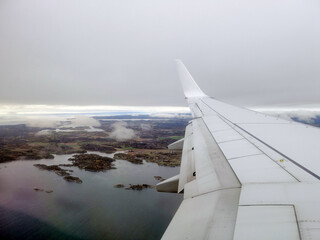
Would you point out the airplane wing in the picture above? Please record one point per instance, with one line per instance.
(245, 175)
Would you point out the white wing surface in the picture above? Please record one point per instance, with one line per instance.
(245, 175)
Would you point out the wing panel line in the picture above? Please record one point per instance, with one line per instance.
(282, 154)
(297, 164)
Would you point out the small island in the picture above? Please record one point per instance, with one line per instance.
(137, 187)
(129, 157)
(166, 158)
(87, 162)
(92, 162)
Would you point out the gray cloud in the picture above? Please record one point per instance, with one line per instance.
(98, 52)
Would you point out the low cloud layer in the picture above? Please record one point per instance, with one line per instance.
(171, 115)
(32, 121)
(120, 132)
(300, 115)
(61, 122)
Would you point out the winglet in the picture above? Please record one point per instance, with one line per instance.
(190, 87)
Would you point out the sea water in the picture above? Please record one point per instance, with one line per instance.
(91, 210)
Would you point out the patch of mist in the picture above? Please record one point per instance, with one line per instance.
(120, 132)
(45, 132)
(145, 126)
(84, 121)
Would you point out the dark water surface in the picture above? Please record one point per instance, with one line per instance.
(91, 210)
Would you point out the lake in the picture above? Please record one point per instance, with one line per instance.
(91, 210)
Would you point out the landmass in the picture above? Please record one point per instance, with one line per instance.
(129, 157)
(41, 190)
(87, 162)
(149, 144)
(72, 179)
(22, 142)
(92, 162)
(54, 168)
(159, 178)
(137, 187)
(168, 158)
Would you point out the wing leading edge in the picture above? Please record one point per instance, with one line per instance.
(245, 175)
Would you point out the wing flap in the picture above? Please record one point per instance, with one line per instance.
(187, 167)
(209, 216)
(266, 222)
(177, 145)
(213, 171)
(169, 185)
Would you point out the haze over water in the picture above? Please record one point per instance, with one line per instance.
(91, 210)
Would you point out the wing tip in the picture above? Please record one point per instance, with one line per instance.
(190, 87)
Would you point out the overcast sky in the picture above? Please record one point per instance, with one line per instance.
(122, 52)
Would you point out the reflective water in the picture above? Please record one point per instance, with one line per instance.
(91, 210)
